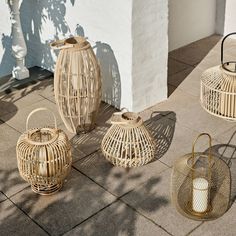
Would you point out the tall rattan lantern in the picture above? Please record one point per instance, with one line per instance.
(44, 157)
(77, 84)
(218, 88)
(128, 143)
(200, 187)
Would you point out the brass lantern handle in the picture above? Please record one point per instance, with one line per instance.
(37, 110)
(210, 147)
(222, 50)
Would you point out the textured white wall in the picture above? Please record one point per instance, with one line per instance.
(106, 23)
(150, 51)
(230, 17)
(190, 20)
(117, 34)
(220, 16)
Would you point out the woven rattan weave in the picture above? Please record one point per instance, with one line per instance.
(128, 143)
(77, 84)
(44, 157)
(218, 89)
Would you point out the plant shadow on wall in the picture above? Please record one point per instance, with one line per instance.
(40, 53)
(111, 83)
(227, 152)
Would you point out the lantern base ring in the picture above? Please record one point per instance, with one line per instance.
(45, 190)
(199, 215)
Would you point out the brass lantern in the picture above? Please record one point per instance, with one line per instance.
(77, 84)
(200, 187)
(218, 88)
(44, 157)
(128, 143)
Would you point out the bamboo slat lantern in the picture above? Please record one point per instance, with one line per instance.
(77, 84)
(200, 187)
(44, 157)
(218, 88)
(128, 143)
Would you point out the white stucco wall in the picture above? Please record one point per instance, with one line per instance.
(150, 47)
(115, 30)
(230, 17)
(220, 16)
(190, 20)
(6, 60)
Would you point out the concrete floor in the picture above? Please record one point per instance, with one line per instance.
(99, 199)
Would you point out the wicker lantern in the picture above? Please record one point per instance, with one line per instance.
(218, 88)
(77, 84)
(200, 186)
(128, 143)
(44, 157)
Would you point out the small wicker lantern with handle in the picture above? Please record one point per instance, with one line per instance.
(128, 143)
(77, 84)
(218, 88)
(200, 187)
(44, 157)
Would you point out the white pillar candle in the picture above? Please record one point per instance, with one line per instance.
(42, 171)
(200, 194)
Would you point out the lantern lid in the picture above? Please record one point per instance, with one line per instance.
(41, 136)
(77, 42)
(220, 78)
(131, 119)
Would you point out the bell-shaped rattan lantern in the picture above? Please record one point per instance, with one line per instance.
(128, 143)
(77, 84)
(44, 157)
(218, 88)
(200, 187)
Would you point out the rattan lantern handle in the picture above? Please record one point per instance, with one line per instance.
(115, 119)
(210, 147)
(222, 47)
(60, 44)
(37, 110)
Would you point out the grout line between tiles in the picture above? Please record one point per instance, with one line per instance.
(189, 233)
(87, 155)
(146, 217)
(94, 181)
(29, 217)
(183, 62)
(91, 216)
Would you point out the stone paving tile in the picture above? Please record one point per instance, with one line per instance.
(226, 150)
(191, 85)
(117, 180)
(40, 119)
(181, 144)
(152, 199)
(175, 66)
(118, 219)
(10, 180)
(171, 89)
(193, 53)
(190, 113)
(177, 78)
(79, 199)
(15, 223)
(2, 197)
(90, 142)
(223, 226)
(17, 100)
